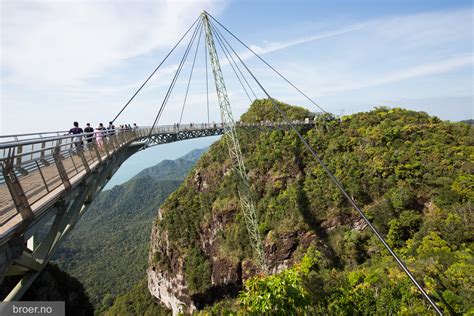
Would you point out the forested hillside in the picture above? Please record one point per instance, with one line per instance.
(108, 248)
(411, 173)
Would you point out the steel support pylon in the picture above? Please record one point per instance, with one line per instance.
(235, 153)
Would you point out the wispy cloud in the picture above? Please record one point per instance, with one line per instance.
(276, 46)
(69, 42)
(271, 47)
(426, 69)
(381, 51)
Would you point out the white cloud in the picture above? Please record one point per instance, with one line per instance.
(61, 42)
(382, 51)
(276, 46)
(271, 46)
(426, 69)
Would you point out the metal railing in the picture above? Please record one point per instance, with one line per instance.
(33, 168)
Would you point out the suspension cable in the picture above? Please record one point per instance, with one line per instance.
(270, 66)
(207, 82)
(230, 63)
(180, 67)
(154, 71)
(173, 82)
(190, 75)
(343, 191)
(222, 44)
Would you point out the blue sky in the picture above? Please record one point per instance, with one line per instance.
(81, 60)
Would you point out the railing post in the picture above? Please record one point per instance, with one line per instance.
(42, 159)
(96, 149)
(61, 170)
(111, 142)
(42, 176)
(104, 142)
(80, 152)
(19, 152)
(121, 139)
(16, 192)
(115, 142)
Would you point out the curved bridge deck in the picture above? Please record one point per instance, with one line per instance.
(36, 171)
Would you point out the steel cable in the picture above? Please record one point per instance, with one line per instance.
(154, 71)
(230, 63)
(190, 75)
(173, 82)
(271, 67)
(223, 45)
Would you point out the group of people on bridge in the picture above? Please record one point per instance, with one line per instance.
(98, 134)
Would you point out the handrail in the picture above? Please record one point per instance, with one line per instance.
(29, 134)
(23, 148)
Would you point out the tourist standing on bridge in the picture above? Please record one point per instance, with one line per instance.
(76, 130)
(111, 129)
(135, 127)
(99, 136)
(90, 134)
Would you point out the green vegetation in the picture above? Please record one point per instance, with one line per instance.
(281, 294)
(138, 301)
(263, 110)
(410, 172)
(108, 249)
(198, 271)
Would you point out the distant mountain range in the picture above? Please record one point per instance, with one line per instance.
(173, 169)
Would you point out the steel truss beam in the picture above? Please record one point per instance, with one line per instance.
(235, 152)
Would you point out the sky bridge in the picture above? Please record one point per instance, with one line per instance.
(48, 180)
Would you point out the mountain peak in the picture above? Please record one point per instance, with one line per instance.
(263, 110)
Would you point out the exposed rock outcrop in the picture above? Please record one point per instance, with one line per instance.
(166, 274)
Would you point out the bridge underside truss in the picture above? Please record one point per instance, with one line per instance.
(164, 138)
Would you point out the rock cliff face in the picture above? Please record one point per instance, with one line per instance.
(170, 285)
(200, 251)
